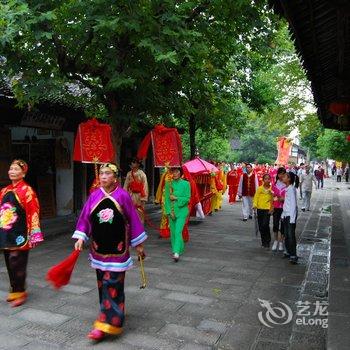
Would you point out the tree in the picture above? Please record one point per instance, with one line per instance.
(310, 130)
(131, 56)
(258, 142)
(334, 145)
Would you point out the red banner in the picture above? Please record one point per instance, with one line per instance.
(93, 143)
(166, 144)
(284, 146)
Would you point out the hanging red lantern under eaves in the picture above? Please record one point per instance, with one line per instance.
(341, 109)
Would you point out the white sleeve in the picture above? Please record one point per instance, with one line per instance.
(293, 206)
(256, 182)
(240, 186)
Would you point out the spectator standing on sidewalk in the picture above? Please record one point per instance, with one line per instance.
(289, 217)
(279, 192)
(262, 203)
(346, 173)
(339, 173)
(306, 181)
(300, 172)
(319, 174)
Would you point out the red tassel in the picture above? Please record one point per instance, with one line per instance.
(60, 274)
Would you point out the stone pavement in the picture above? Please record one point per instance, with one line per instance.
(209, 300)
(338, 335)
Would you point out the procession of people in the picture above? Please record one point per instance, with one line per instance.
(112, 219)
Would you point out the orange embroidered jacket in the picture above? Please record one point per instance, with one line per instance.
(19, 217)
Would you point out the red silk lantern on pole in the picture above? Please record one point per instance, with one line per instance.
(340, 109)
(166, 144)
(93, 144)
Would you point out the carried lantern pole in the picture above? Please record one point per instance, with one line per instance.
(93, 144)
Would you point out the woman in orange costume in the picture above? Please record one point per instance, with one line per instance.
(19, 229)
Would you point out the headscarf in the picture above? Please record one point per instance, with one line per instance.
(22, 164)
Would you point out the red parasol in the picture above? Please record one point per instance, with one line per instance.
(199, 166)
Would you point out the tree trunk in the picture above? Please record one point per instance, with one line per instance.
(118, 126)
(192, 130)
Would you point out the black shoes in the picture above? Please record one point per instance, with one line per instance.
(250, 217)
(293, 260)
(244, 219)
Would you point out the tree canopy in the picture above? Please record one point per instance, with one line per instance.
(203, 65)
(334, 145)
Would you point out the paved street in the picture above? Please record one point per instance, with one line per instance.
(209, 300)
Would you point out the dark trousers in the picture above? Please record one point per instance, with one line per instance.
(277, 223)
(338, 178)
(264, 226)
(16, 263)
(289, 234)
(319, 183)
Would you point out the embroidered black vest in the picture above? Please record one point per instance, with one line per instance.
(108, 229)
(13, 222)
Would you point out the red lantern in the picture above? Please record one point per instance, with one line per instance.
(340, 108)
(93, 143)
(166, 144)
(348, 138)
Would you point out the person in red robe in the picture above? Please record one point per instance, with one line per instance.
(232, 182)
(19, 229)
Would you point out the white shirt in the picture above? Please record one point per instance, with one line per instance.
(240, 185)
(306, 181)
(300, 172)
(290, 207)
(339, 172)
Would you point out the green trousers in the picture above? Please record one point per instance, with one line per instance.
(176, 227)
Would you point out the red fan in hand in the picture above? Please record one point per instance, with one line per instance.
(60, 274)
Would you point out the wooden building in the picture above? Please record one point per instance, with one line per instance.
(321, 32)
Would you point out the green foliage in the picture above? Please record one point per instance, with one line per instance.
(257, 143)
(211, 146)
(333, 144)
(141, 62)
(310, 130)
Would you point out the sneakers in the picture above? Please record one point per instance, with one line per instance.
(274, 246)
(176, 257)
(280, 247)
